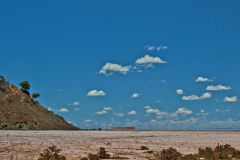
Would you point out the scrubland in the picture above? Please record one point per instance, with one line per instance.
(27, 145)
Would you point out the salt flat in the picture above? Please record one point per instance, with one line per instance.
(26, 145)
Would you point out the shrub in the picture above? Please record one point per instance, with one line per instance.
(144, 148)
(149, 152)
(170, 154)
(35, 95)
(103, 153)
(220, 152)
(93, 157)
(189, 157)
(167, 154)
(51, 153)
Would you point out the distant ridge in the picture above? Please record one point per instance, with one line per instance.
(19, 111)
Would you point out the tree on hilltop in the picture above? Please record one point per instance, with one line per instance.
(35, 95)
(25, 87)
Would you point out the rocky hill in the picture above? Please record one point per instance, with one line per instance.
(19, 111)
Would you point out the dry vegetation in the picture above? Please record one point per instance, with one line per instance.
(75, 145)
(220, 152)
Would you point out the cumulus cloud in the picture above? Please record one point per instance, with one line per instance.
(179, 91)
(102, 112)
(202, 79)
(76, 103)
(157, 112)
(153, 121)
(119, 114)
(107, 108)
(147, 107)
(158, 48)
(150, 110)
(150, 48)
(231, 99)
(218, 87)
(94, 93)
(88, 120)
(76, 109)
(206, 95)
(183, 111)
(132, 112)
(135, 95)
(161, 48)
(160, 114)
(110, 68)
(202, 113)
(190, 98)
(149, 60)
(63, 110)
(195, 97)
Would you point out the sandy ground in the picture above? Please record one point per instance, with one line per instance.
(26, 145)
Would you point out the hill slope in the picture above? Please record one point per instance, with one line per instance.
(19, 111)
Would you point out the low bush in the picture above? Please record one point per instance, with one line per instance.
(220, 152)
(144, 148)
(93, 157)
(103, 153)
(51, 153)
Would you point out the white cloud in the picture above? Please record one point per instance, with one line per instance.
(157, 112)
(63, 110)
(150, 110)
(202, 79)
(88, 120)
(161, 48)
(76, 109)
(102, 112)
(132, 112)
(135, 95)
(183, 111)
(153, 121)
(179, 91)
(119, 114)
(231, 99)
(95, 93)
(150, 48)
(218, 87)
(195, 97)
(147, 107)
(76, 103)
(109, 68)
(190, 98)
(206, 95)
(158, 48)
(146, 60)
(107, 108)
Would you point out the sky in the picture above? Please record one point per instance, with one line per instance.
(151, 64)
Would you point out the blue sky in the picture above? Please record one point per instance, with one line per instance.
(149, 64)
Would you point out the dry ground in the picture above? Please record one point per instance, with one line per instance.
(26, 145)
